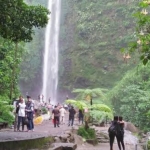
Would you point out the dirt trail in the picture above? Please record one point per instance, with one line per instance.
(47, 129)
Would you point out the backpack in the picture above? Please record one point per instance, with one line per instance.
(113, 129)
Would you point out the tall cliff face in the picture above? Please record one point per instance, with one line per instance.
(92, 34)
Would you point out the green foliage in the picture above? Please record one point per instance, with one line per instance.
(77, 103)
(140, 42)
(6, 66)
(17, 23)
(44, 110)
(17, 20)
(87, 134)
(93, 38)
(97, 111)
(131, 96)
(88, 94)
(6, 110)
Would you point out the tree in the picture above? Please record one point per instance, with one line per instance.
(141, 41)
(89, 94)
(17, 20)
(97, 111)
(131, 96)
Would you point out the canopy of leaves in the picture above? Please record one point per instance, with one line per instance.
(97, 111)
(141, 41)
(131, 96)
(17, 20)
(79, 104)
(88, 94)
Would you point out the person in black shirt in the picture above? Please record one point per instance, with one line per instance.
(120, 134)
(113, 131)
(81, 116)
(72, 112)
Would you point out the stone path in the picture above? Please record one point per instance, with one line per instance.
(47, 129)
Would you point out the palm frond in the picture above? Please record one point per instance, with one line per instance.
(101, 115)
(101, 107)
(77, 103)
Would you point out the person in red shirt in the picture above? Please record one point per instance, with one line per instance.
(56, 114)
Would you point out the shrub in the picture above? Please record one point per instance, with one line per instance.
(44, 110)
(87, 134)
(6, 110)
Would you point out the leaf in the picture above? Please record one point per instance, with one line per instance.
(145, 61)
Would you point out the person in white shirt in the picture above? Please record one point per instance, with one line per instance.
(62, 115)
(21, 114)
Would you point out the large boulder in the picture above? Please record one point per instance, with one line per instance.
(78, 140)
(131, 127)
(64, 146)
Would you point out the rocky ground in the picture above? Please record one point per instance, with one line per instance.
(65, 134)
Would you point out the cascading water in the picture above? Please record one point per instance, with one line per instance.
(50, 67)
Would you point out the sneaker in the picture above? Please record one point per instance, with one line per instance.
(28, 131)
(18, 131)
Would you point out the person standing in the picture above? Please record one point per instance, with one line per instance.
(72, 113)
(49, 100)
(113, 131)
(120, 134)
(21, 114)
(56, 115)
(16, 112)
(29, 113)
(62, 115)
(81, 116)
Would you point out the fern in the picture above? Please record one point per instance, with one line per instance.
(6, 110)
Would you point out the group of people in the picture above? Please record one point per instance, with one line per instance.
(58, 115)
(24, 114)
(116, 129)
(25, 111)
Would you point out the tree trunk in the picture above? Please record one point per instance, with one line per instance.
(86, 125)
(12, 85)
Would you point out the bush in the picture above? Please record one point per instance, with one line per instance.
(44, 110)
(6, 111)
(87, 134)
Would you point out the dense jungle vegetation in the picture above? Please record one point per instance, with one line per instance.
(91, 38)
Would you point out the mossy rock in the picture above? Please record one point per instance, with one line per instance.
(26, 144)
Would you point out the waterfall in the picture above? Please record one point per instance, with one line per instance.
(50, 65)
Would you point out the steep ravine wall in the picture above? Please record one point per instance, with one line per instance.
(91, 36)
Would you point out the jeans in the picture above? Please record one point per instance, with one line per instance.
(16, 122)
(20, 120)
(81, 119)
(111, 140)
(30, 124)
(71, 120)
(120, 140)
